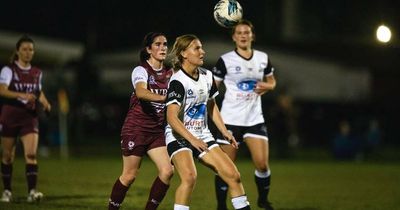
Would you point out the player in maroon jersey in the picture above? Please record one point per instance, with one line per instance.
(21, 88)
(143, 129)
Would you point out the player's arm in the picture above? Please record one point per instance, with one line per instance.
(43, 100)
(6, 93)
(143, 93)
(219, 72)
(215, 115)
(268, 83)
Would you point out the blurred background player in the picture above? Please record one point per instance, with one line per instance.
(247, 74)
(21, 88)
(143, 129)
(191, 95)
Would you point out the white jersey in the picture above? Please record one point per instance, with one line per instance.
(192, 96)
(241, 105)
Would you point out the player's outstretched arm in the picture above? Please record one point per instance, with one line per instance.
(217, 119)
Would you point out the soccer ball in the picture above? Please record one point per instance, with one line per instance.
(227, 13)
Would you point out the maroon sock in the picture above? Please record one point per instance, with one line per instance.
(6, 173)
(31, 176)
(157, 193)
(117, 195)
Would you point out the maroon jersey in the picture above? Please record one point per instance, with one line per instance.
(146, 116)
(16, 111)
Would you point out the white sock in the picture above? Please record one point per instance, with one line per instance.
(262, 174)
(180, 207)
(240, 202)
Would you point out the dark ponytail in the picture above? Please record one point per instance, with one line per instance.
(147, 41)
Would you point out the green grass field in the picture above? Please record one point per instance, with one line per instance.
(85, 183)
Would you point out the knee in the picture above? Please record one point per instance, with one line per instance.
(166, 173)
(128, 178)
(261, 166)
(189, 179)
(30, 157)
(233, 177)
(7, 159)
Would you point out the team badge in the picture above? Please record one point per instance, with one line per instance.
(152, 81)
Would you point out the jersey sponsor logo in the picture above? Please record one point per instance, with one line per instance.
(173, 94)
(26, 87)
(247, 85)
(162, 92)
(197, 111)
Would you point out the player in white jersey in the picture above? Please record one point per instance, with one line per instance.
(190, 99)
(247, 74)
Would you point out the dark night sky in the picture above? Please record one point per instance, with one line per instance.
(327, 26)
(118, 23)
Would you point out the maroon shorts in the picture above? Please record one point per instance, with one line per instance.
(15, 121)
(140, 142)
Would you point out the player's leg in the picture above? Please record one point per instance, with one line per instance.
(159, 156)
(130, 167)
(7, 159)
(221, 187)
(219, 161)
(184, 165)
(259, 150)
(30, 143)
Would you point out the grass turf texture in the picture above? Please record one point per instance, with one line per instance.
(85, 183)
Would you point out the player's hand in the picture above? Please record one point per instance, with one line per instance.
(200, 145)
(229, 137)
(47, 107)
(261, 88)
(28, 97)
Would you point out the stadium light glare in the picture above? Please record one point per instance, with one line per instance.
(383, 34)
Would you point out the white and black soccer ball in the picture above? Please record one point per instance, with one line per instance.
(227, 13)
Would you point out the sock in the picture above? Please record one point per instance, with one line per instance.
(263, 181)
(157, 193)
(241, 203)
(180, 207)
(6, 174)
(117, 195)
(221, 190)
(31, 175)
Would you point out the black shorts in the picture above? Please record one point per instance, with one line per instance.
(182, 144)
(241, 132)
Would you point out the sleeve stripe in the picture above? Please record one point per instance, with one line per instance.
(218, 78)
(173, 102)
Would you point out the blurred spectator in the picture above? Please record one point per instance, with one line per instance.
(373, 138)
(345, 145)
(284, 125)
